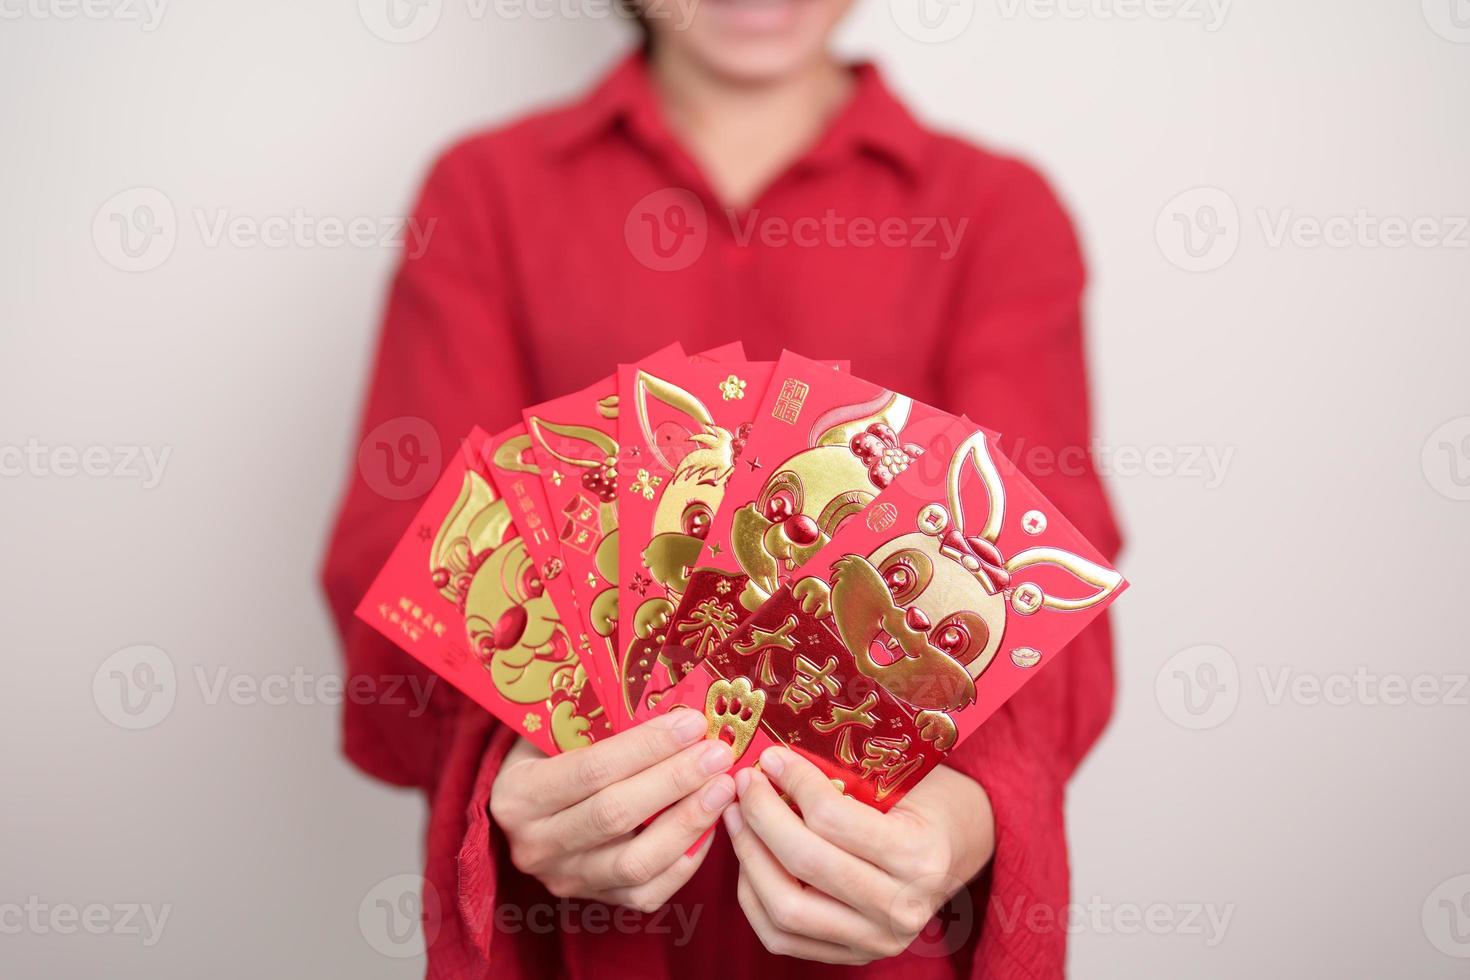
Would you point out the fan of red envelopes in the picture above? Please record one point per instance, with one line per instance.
(801, 556)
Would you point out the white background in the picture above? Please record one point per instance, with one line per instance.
(1333, 545)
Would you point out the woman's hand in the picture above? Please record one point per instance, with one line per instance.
(573, 820)
(842, 882)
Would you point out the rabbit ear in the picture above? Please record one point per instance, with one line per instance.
(691, 415)
(837, 426)
(976, 450)
(514, 455)
(477, 522)
(1104, 580)
(605, 446)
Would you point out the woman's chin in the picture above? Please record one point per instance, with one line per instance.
(757, 63)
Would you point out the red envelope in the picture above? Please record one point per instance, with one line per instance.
(574, 443)
(513, 469)
(798, 480)
(463, 594)
(682, 430)
(910, 627)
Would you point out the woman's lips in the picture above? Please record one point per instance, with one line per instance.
(754, 16)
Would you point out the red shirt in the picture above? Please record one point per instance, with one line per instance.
(940, 269)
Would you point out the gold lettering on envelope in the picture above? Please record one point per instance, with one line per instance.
(761, 641)
(789, 401)
(843, 720)
(888, 760)
(810, 684)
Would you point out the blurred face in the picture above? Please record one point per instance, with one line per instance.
(751, 41)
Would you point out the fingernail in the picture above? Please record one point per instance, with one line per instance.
(720, 793)
(742, 781)
(734, 822)
(716, 757)
(772, 762)
(686, 725)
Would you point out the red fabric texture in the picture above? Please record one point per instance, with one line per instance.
(534, 283)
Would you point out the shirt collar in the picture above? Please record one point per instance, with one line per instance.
(872, 120)
(610, 103)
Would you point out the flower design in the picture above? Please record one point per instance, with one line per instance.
(732, 388)
(645, 484)
(532, 722)
(878, 448)
(556, 478)
(724, 587)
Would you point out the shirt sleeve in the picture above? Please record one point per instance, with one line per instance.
(447, 359)
(1017, 366)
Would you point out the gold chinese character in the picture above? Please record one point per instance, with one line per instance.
(888, 759)
(843, 719)
(711, 622)
(762, 641)
(759, 638)
(789, 401)
(810, 684)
